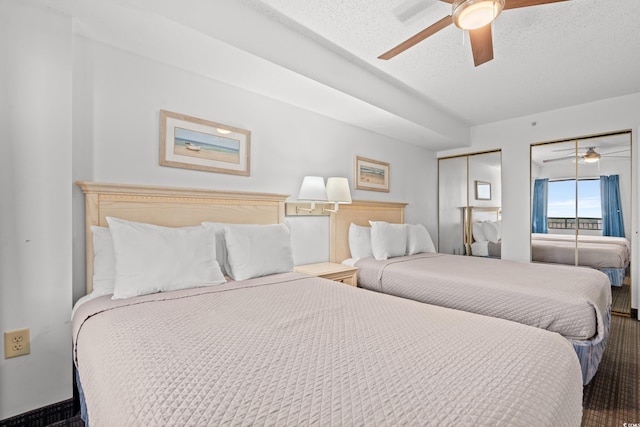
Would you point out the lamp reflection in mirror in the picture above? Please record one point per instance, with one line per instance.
(337, 192)
(312, 190)
(591, 156)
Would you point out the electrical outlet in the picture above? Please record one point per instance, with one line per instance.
(16, 343)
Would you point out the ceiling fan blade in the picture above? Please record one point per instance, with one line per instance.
(448, 1)
(558, 159)
(481, 45)
(616, 152)
(412, 41)
(515, 4)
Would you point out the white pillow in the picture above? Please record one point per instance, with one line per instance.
(104, 261)
(360, 241)
(150, 258)
(480, 248)
(478, 233)
(217, 228)
(388, 240)
(258, 250)
(418, 239)
(492, 231)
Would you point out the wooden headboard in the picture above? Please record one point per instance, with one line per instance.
(360, 213)
(173, 207)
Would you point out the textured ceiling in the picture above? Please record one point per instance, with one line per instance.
(546, 57)
(322, 56)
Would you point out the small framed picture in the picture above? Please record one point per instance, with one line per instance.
(371, 175)
(192, 143)
(483, 190)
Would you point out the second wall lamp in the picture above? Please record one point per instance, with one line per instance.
(313, 190)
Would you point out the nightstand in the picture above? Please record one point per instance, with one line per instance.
(332, 271)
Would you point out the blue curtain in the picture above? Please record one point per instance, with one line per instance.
(612, 222)
(539, 212)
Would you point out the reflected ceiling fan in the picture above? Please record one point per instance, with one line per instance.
(475, 16)
(590, 156)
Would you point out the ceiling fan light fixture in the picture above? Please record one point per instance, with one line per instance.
(474, 14)
(591, 156)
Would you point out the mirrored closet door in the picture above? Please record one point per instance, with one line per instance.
(469, 195)
(581, 207)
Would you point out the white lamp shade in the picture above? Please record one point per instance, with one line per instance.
(338, 190)
(313, 189)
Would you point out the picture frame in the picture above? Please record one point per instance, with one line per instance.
(483, 190)
(371, 175)
(192, 143)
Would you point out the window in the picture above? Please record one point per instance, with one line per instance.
(561, 209)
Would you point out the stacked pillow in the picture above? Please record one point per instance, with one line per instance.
(487, 231)
(132, 258)
(257, 250)
(492, 231)
(384, 240)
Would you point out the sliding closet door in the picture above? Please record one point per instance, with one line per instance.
(553, 202)
(485, 174)
(468, 184)
(580, 193)
(452, 199)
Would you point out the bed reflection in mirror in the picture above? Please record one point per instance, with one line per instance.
(470, 192)
(581, 207)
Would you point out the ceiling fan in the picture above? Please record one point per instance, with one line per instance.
(589, 156)
(475, 16)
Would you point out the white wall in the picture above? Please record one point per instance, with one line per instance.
(35, 193)
(75, 109)
(117, 98)
(452, 198)
(514, 138)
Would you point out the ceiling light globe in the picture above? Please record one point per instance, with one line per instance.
(474, 14)
(591, 156)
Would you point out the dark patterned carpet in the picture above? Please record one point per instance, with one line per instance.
(621, 297)
(613, 396)
(71, 422)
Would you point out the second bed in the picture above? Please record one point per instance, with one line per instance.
(572, 301)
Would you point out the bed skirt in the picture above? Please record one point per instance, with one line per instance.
(83, 403)
(590, 352)
(615, 275)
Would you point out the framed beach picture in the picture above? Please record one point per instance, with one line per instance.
(192, 143)
(371, 175)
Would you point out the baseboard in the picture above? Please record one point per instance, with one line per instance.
(42, 416)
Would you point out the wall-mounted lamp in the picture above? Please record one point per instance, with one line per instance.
(337, 192)
(312, 190)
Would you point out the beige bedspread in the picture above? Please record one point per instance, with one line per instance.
(621, 241)
(297, 350)
(592, 252)
(569, 300)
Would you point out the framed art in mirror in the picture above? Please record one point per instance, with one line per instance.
(483, 190)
